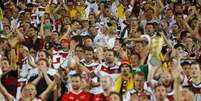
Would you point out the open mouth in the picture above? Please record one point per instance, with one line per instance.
(166, 82)
(30, 94)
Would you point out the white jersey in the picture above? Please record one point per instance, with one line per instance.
(104, 70)
(146, 90)
(94, 78)
(196, 89)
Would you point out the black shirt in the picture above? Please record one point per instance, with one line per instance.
(9, 81)
(42, 86)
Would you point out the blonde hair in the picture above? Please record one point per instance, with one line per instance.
(189, 96)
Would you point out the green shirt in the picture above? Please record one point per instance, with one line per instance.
(143, 68)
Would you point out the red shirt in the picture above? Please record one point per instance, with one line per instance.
(101, 97)
(82, 96)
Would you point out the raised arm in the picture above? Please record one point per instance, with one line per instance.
(35, 81)
(176, 72)
(45, 75)
(177, 86)
(166, 41)
(20, 35)
(66, 34)
(13, 60)
(56, 9)
(189, 28)
(31, 62)
(194, 32)
(49, 89)
(132, 3)
(161, 6)
(160, 3)
(41, 27)
(117, 2)
(65, 7)
(13, 41)
(152, 73)
(5, 93)
(57, 89)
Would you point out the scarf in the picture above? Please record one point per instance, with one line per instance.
(120, 81)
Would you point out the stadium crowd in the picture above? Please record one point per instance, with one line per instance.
(100, 50)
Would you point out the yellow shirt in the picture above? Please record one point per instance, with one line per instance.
(80, 9)
(73, 12)
(120, 12)
(47, 8)
(119, 82)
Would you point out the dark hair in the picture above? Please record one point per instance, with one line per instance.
(74, 21)
(178, 4)
(36, 29)
(195, 63)
(140, 73)
(115, 93)
(88, 37)
(55, 32)
(121, 40)
(77, 38)
(124, 64)
(106, 6)
(158, 85)
(164, 49)
(79, 46)
(169, 9)
(112, 50)
(150, 24)
(76, 75)
(179, 45)
(177, 14)
(46, 53)
(44, 59)
(7, 26)
(185, 63)
(88, 48)
(183, 34)
(135, 53)
(190, 21)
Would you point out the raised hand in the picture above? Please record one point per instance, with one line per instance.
(123, 53)
(13, 42)
(73, 44)
(43, 70)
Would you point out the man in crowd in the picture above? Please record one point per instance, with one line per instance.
(106, 85)
(77, 94)
(93, 38)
